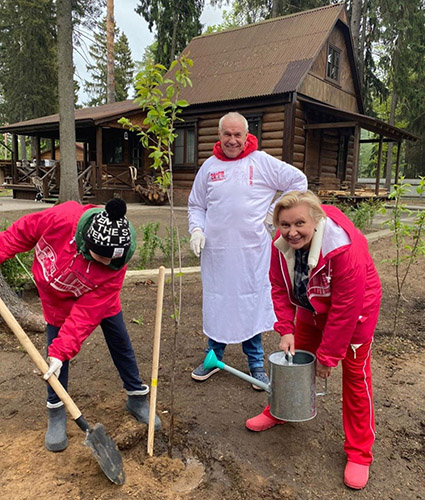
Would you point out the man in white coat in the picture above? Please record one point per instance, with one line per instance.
(229, 203)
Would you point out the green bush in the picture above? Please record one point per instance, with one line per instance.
(13, 269)
(151, 241)
(361, 215)
(165, 245)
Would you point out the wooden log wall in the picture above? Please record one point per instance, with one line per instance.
(207, 137)
(272, 123)
(272, 131)
(350, 158)
(329, 159)
(299, 137)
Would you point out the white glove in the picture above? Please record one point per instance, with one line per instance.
(268, 222)
(197, 241)
(55, 366)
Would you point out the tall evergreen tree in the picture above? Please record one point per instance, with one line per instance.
(176, 22)
(252, 11)
(28, 59)
(96, 87)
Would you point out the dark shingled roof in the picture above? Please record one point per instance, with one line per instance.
(269, 57)
(95, 115)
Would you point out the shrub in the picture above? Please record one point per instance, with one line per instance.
(151, 242)
(361, 215)
(16, 272)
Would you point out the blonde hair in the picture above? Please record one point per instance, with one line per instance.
(294, 198)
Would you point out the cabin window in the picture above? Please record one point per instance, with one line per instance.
(113, 151)
(184, 147)
(254, 127)
(332, 70)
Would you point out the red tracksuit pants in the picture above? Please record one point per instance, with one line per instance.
(357, 404)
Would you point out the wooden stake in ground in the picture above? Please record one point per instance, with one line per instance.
(155, 358)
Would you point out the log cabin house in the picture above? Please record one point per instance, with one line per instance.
(295, 80)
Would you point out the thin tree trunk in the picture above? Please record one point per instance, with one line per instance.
(361, 49)
(356, 15)
(173, 38)
(389, 164)
(23, 147)
(33, 147)
(275, 8)
(110, 60)
(68, 163)
(26, 318)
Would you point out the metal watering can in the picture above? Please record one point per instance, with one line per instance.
(292, 389)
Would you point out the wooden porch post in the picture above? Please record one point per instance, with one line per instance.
(378, 166)
(99, 157)
(355, 169)
(38, 154)
(86, 155)
(15, 157)
(53, 149)
(289, 129)
(397, 164)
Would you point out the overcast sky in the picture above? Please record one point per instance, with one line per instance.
(137, 32)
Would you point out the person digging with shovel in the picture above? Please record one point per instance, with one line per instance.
(80, 259)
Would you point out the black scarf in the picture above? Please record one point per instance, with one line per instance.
(301, 278)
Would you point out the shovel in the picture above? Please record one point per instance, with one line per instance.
(102, 446)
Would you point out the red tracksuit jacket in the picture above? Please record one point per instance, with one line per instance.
(344, 289)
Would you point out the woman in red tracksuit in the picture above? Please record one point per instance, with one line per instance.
(326, 296)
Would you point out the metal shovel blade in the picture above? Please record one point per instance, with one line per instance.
(106, 453)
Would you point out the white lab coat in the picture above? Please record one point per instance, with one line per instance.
(229, 201)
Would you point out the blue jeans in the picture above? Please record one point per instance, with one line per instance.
(120, 348)
(253, 348)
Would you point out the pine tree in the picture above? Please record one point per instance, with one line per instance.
(252, 11)
(124, 67)
(176, 22)
(28, 59)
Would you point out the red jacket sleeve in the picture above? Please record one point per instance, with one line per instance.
(23, 234)
(347, 298)
(283, 308)
(86, 314)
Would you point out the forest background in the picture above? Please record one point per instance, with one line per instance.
(388, 36)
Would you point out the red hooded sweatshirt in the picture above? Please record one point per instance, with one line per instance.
(76, 293)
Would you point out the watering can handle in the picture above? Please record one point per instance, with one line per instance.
(325, 391)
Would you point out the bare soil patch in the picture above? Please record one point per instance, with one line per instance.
(213, 454)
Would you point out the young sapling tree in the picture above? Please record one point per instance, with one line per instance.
(158, 92)
(408, 238)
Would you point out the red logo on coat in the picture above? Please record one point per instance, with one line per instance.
(217, 176)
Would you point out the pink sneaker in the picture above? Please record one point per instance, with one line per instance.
(262, 422)
(356, 475)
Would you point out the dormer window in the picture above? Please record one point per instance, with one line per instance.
(332, 68)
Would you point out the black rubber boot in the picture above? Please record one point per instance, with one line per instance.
(56, 438)
(138, 406)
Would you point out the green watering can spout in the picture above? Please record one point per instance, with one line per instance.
(211, 362)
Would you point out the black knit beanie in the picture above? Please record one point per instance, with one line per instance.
(109, 232)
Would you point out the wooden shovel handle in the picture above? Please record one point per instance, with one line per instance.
(38, 360)
(155, 358)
